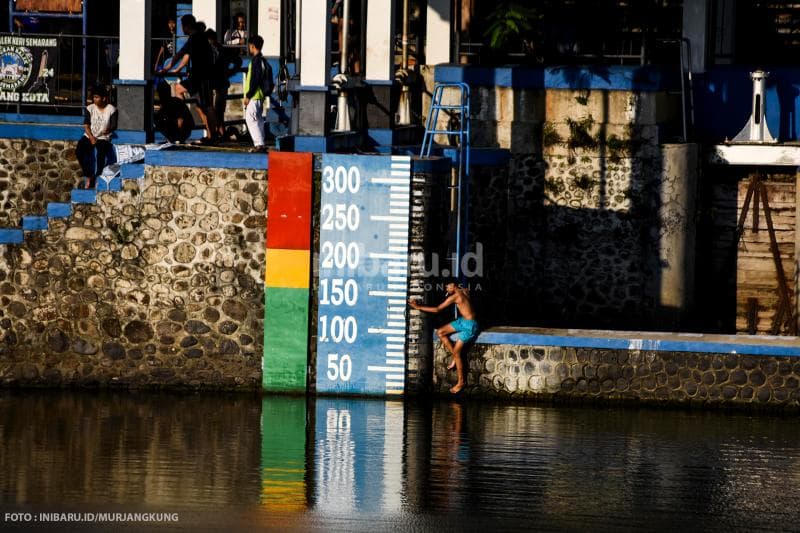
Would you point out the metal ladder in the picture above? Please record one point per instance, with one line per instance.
(458, 126)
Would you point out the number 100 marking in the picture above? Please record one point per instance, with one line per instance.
(342, 329)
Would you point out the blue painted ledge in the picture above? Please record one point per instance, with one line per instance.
(205, 159)
(83, 196)
(40, 132)
(34, 223)
(59, 210)
(74, 120)
(11, 236)
(129, 171)
(114, 185)
(659, 342)
(598, 77)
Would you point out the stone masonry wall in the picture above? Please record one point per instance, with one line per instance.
(158, 285)
(578, 211)
(33, 173)
(588, 374)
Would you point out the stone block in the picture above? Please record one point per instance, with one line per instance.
(610, 140)
(612, 107)
(526, 105)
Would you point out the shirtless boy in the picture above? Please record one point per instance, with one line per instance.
(465, 326)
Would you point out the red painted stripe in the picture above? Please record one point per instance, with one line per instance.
(289, 200)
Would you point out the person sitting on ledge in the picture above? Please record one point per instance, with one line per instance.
(173, 119)
(94, 149)
(466, 328)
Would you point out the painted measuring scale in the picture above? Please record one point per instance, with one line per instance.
(363, 274)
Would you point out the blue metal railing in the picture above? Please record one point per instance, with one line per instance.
(458, 130)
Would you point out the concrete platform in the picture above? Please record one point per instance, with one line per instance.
(643, 340)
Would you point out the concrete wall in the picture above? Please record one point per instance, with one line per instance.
(591, 223)
(158, 285)
(638, 376)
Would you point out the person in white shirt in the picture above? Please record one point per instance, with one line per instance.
(94, 148)
(238, 34)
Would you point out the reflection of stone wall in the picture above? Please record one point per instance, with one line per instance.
(33, 173)
(161, 285)
(636, 375)
(68, 449)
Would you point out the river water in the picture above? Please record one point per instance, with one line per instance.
(226, 463)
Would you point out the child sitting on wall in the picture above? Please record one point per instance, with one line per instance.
(94, 149)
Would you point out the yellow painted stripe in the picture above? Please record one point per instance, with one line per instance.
(288, 269)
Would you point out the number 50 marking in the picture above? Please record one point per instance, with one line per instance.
(339, 367)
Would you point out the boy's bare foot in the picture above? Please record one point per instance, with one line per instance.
(452, 364)
(455, 389)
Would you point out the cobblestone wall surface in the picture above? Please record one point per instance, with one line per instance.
(33, 173)
(160, 284)
(558, 373)
(570, 230)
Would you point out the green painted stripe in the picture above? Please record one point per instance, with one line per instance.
(285, 339)
(283, 454)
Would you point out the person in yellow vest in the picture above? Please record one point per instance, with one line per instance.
(258, 85)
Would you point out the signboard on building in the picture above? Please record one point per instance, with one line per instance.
(363, 274)
(55, 6)
(26, 68)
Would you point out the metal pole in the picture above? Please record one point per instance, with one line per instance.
(83, 52)
(345, 36)
(340, 80)
(405, 35)
(690, 68)
(404, 102)
(298, 13)
(683, 92)
(11, 14)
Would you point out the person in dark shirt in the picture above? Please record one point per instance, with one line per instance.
(226, 63)
(198, 82)
(173, 118)
(167, 49)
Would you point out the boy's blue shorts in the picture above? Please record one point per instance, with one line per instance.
(466, 330)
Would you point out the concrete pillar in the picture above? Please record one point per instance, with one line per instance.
(315, 50)
(380, 40)
(269, 26)
(797, 249)
(209, 12)
(380, 107)
(134, 40)
(134, 99)
(680, 163)
(315, 43)
(696, 15)
(725, 32)
(438, 36)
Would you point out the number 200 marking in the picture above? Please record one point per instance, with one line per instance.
(341, 180)
(340, 255)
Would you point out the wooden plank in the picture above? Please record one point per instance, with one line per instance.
(763, 237)
(56, 6)
(761, 278)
